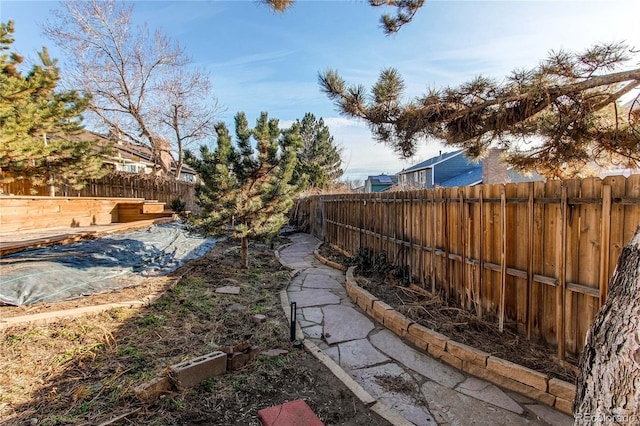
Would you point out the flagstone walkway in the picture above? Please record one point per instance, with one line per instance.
(419, 388)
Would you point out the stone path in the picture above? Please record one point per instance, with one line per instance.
(421, 389)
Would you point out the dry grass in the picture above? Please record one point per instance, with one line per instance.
(79, 371)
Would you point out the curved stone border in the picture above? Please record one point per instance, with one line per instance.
(325, 261)
(533, 384)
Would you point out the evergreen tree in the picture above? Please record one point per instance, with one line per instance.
(319, 159)
(245, 191)
(36, 123)
(568, 105)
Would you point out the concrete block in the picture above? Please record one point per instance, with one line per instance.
(519, 373)
(564, 405)
(150, 391)
(433, 338)
(507, 383)
(467, 353)
(397, 322)
(562, 389)
(190, 373)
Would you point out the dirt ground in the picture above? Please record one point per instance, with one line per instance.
(464, 327)
(83, 371)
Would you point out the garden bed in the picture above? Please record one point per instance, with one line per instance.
(457, 324)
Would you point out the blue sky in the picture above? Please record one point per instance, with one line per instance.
(259, 60)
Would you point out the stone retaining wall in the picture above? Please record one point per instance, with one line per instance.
(506, 374)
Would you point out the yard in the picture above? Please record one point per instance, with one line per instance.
(84, 371)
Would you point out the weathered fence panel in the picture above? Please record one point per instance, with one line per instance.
(117, 185)
(535, 257)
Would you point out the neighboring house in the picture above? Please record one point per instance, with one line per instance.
(456, 169)
(380, 183)
(446, 169)
(129, 158)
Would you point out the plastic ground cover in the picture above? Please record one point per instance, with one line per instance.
(66, 272)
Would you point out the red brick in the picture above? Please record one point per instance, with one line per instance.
(241, 347)
(190, 373)
(294, 413)
(237, 361)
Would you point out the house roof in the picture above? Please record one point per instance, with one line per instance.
(383, 180)
(128, 150)
(471, 177)
(432, 161)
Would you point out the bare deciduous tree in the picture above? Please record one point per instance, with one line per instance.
(127, 71)
(186, 110)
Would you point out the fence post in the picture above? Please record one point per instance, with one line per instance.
(562, 279)
(503, 255)
(530, 216)
(605, 246)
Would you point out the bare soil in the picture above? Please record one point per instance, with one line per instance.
(83, 371)
(462, 326)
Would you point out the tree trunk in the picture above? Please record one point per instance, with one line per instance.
(244, 252)
(608, 389)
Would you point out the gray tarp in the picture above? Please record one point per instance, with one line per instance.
(66, 272)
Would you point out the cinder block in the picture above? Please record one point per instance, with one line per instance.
(190, 373)
(508, 383)
(562, 389)
(397, 322)
(564, 405)
(517, 372)
(467, 353)
(150, 391)
(379, 309)
(433, 338)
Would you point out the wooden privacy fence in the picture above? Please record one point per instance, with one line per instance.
(117, 185)
(535, 256)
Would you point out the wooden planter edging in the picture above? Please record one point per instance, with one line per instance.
(533, 384)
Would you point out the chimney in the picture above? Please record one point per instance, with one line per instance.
(494, 169)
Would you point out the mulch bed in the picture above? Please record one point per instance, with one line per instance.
(459, 325)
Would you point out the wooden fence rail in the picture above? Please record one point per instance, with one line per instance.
(535, 256)
(117, 185)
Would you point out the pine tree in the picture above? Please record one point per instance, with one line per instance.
(566, 111)
(319, 159)
(36, 123)
(247, 192)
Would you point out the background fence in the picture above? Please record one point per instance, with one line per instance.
(534, 256)
(120, 185)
